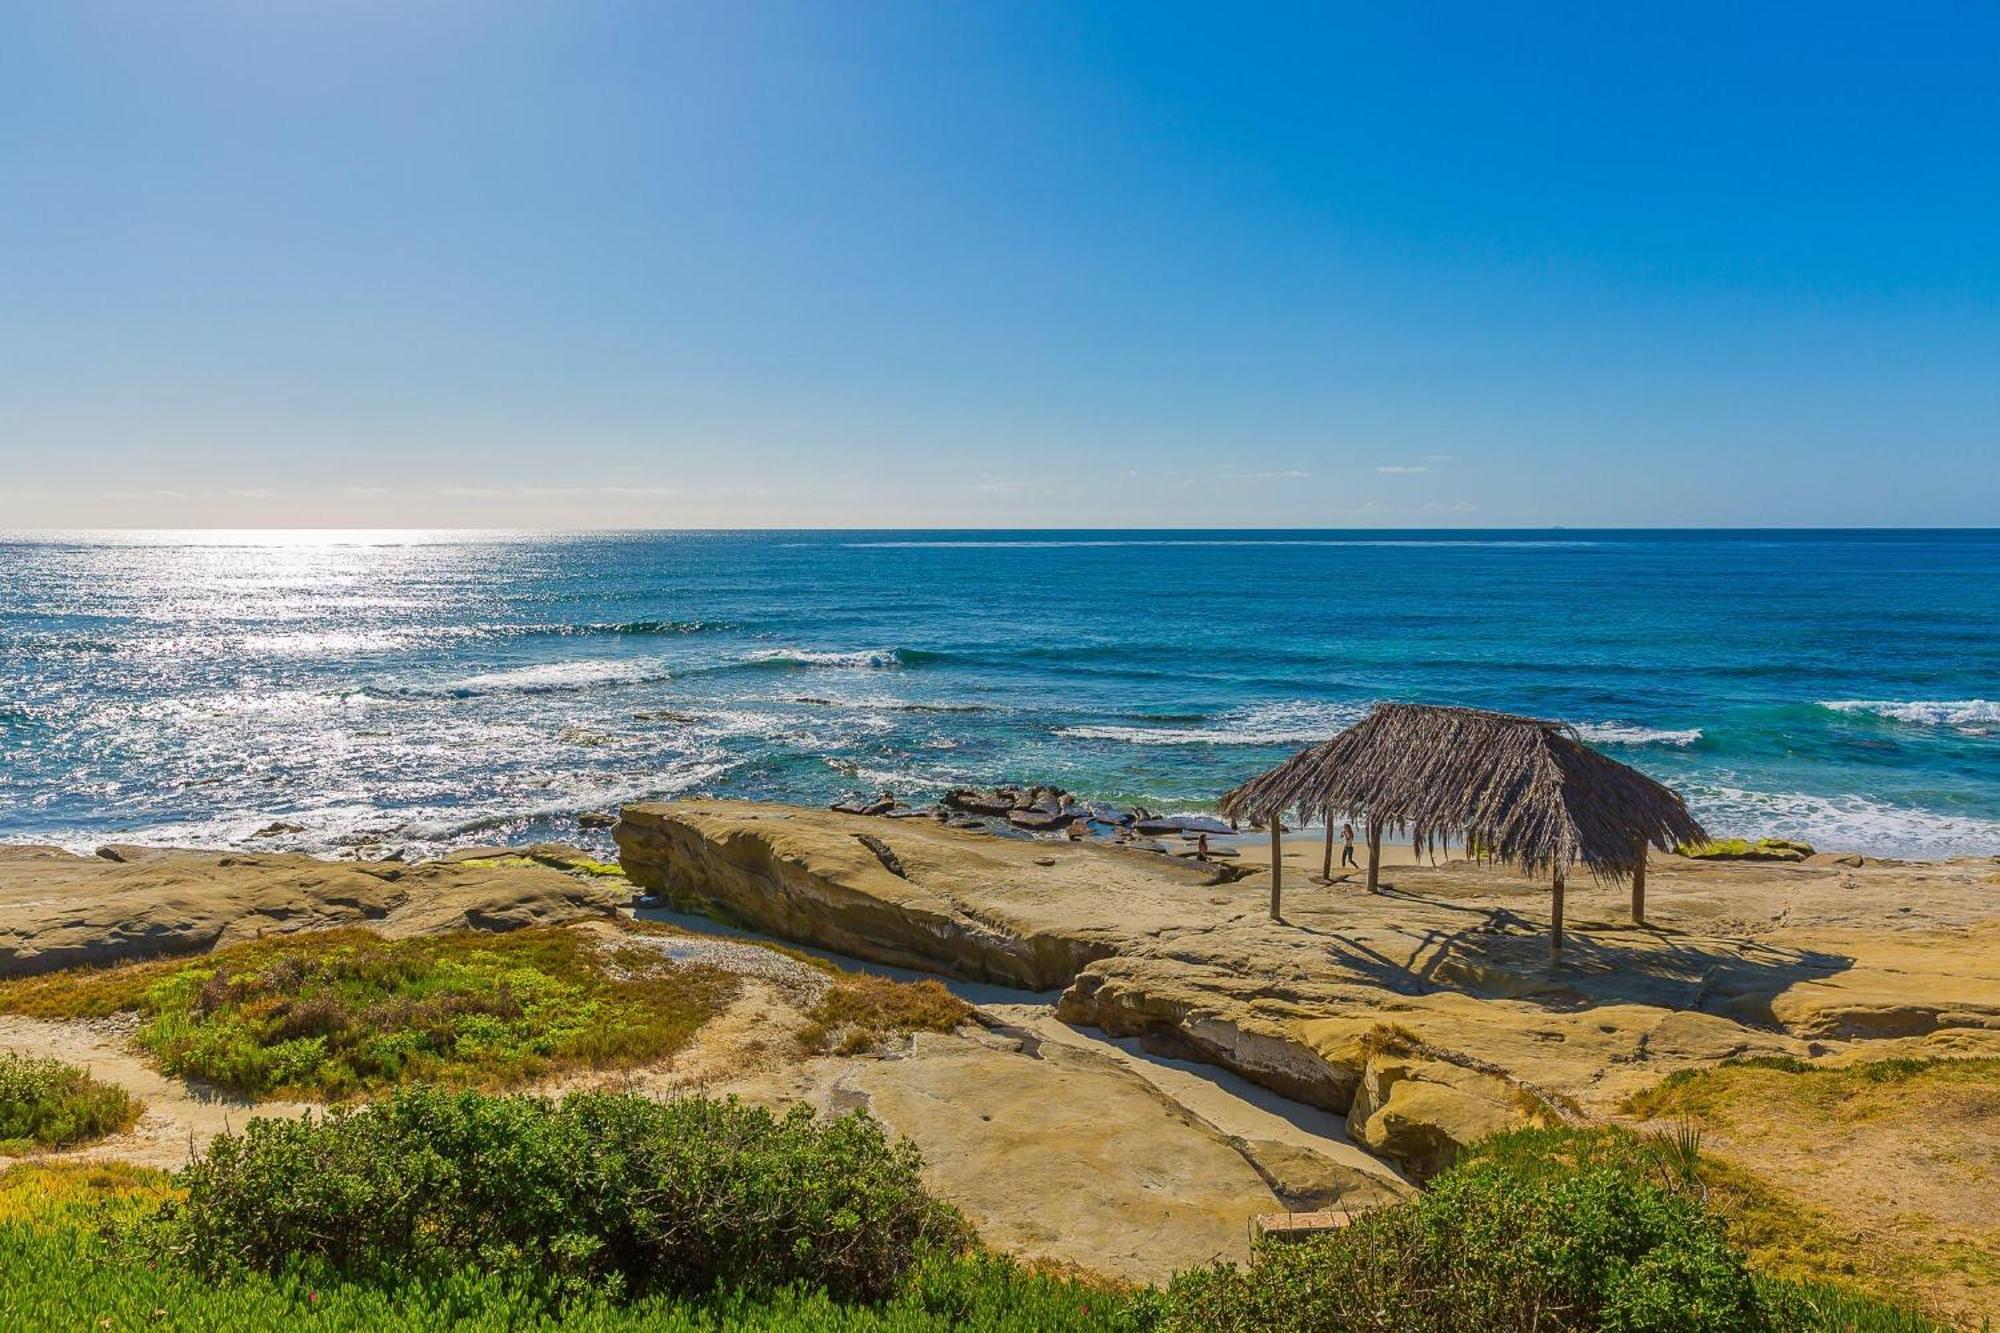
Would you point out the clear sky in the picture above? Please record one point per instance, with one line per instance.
(273, 262)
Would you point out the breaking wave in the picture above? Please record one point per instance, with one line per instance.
(634, 627)
(547, 678)
(1842, 823)
(1266, 724)
(865, 659)
(1622, 733)
(1975, 715)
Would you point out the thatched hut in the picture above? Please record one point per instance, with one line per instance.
(1521, 790)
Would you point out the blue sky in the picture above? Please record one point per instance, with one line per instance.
(271, 262)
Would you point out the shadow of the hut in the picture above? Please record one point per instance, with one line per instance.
(1635, 966)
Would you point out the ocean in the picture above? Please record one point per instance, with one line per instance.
(432, 689)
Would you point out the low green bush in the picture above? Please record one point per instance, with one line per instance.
(1491, 1249)
(50, 1104)
(1553, 1230)
(330, 1014)
(71, 1279)
(440, 1210)
(611, 1193)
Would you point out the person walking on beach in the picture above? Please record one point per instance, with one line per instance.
(1347, 845)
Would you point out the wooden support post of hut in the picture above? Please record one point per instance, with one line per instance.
(1639, 886)
(1277, 864)
(1556, 915)
(1374, 854)
(1326, 861)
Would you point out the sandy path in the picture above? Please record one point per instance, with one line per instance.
(179, 1117)
(1233, 1106)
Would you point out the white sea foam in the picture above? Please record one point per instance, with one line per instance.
(543, 678)
(1974, 715)
(352, 642)
(1624, 733)
(1843, 823)
(1264, 724)
(861, 659)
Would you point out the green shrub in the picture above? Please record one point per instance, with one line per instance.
(1488, 1248)
(1545, 1229)
(602, 1192)
(335, 1013)
(72, 1279)
(49, 1104)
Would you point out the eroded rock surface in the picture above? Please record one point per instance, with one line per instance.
(986, 909)
(60, 910)
(1429, 1014)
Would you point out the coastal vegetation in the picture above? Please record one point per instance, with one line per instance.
(859, 1010)
(1744, 849)
(1870, 1174)
(1761, 1086)
(1545, 1229)
(49, 1104)
(614, 1211)
(607, 1192)
(82, 1194)
(339, 1013)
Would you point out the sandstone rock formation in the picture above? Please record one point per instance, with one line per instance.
(987, 909)
(1428, 1014)
(60, 910)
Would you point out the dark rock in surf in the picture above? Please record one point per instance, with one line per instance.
(972, 801)
(1038, 821)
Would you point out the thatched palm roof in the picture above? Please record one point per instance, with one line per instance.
(1516, 789)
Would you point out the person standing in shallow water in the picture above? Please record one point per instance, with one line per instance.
(1347, 845)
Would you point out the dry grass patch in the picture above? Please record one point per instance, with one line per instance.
(1880, 1174)
(859, 1010)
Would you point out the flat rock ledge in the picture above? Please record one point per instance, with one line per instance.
(908, 893)
(59, 910)
(1428, 1015)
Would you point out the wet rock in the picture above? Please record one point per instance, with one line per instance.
(596, 819)
(1038, 821)
(871, 808)
(971, 801)
(278, 828)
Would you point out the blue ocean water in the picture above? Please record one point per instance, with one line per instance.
(428, 689)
